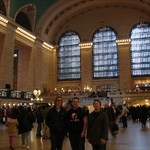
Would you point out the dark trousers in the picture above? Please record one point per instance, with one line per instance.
(39, 129)
(56, 141)
(99, 147)
(77, 142)
(124, 121)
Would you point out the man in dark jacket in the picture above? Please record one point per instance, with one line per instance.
(56, 121)
(25, 126)
(40, 120)
(97, 132)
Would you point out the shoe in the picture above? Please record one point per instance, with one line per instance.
(28, 147)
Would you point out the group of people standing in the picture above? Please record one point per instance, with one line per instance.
(78, 125)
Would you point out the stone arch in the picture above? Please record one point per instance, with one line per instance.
(25, 16)
(3, 7)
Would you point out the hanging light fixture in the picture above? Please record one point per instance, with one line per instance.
(37, 94)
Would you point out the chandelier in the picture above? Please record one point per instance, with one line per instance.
(37, 94)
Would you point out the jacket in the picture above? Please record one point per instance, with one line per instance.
(97, 127)
(12, 125)
(56, 121)
(25, 121)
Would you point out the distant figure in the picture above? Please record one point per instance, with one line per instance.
(143, 115)
(12, 124)
(25, 126)
(124, 114)
(110, 110)
(46, 132)
(40, 120)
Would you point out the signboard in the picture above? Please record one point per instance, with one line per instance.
(4, 93)
(27, 95)
(14, 94)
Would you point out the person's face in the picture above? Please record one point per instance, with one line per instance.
(58, 102)
(75, 103)
(96, 105)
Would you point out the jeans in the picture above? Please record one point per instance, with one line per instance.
(124, 121)
(57, 141)
(25, 137)
(77, 142)
(39, 129)
(46, 133)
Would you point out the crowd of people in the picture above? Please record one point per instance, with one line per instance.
(56, 122)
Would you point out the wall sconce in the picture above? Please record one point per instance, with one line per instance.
(37, 94)
(3, 21)
(25, 34)
(47, 46)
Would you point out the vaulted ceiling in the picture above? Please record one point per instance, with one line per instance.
(50, 18)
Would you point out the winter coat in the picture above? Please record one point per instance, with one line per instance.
(25, 121)
(12, 125)
(56, 121)
(97, 127)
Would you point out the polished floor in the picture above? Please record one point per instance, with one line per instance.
(132, 138)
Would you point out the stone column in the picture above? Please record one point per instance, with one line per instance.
(86, 67)
(6, 58)
(124, 67)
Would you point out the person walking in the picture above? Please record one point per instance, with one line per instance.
(76, 125)
(97, 130)
(124, 114)
(143, 115)
(46, 132)
(56, 121)
(39, 119)
(113, 126)
(25, 126)
(12, 124)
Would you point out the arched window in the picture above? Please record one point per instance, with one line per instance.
(105, 54)
(2, 8)
(69, 57)
(140, 50)
(23, 20)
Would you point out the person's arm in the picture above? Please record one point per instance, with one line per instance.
(84, 126)
(104, 129)
(48, 119)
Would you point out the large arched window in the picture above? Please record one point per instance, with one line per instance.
(24, 21)
(2, 8)
(105, 54)
(69, 57)
(140, 50)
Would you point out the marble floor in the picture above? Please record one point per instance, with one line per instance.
(132, 138)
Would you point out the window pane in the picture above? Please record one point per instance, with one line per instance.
(140, 50)
(69, 57)
(105, 54)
